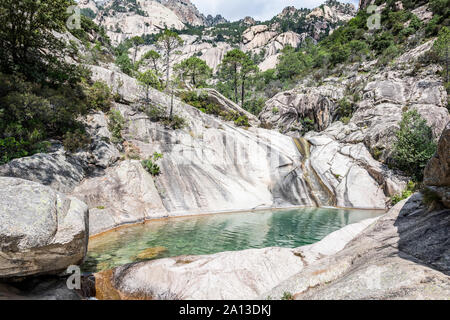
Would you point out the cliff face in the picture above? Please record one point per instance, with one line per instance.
(124, 19)
(272, 37)
(383, 96)
(437, 172)
(186, 11)
(404, 255)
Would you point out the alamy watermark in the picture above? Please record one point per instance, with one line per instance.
(74, 20)
(374, 21)
(74, 280)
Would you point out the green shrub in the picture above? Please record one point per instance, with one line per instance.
(115, 125)
(177, 122)
(200, 101)
(154, 113)
(275, 110)
(99, 96)
(287, 296)
(307, 125)
(242, 121)
(345, 109)
(10, 149)
(76, 140)
(32, 113)
(254, 106)
(414, 145)
(124, 63)
(376, 153)
(408, 192)
(345, 120)
(150, 164)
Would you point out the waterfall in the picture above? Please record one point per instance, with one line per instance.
(318, 190)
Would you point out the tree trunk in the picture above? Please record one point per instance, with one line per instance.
(171, 105)
(167, 69)
(235, 84)
(243, 92)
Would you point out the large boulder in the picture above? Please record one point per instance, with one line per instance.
(437, 171)
(62, 170)
(343, 163)
(125, 193)
(55, 169)
(286, 110)
(41, 231)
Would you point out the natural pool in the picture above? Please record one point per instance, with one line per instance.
(216, 233)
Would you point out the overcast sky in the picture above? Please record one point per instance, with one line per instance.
(259, 9)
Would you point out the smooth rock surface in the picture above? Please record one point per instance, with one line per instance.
(123, 194)
(211, 165)
(41, 230)
(404, 255)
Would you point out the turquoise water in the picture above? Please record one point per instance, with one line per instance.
(216, 233)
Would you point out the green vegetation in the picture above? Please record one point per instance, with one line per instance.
(42, 94)
(287, 296)
(200, 101)
(153, 57)
(408, 192)
(99, 96)
(75, 140)
(345, 110)
(124, 63)
(116, 124)
(159, 114)
(195, 70)
(441, 55)
(308, 124)
(235, 69)
(148, 80)
(175, 122)
(414, 145)
(150, 164)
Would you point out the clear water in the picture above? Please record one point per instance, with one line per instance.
(218, 232)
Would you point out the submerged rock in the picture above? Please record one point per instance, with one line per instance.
(150, 253)
(41, 230)
(226, 275)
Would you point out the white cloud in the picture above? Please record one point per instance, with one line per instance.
(259, 9)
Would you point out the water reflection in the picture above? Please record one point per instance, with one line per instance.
(220, 232)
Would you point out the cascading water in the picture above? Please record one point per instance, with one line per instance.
(318, 190)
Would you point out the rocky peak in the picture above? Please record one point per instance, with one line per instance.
(333, 11)
(212, 21)
(288, 11)
(186, 11)
(249, 21)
